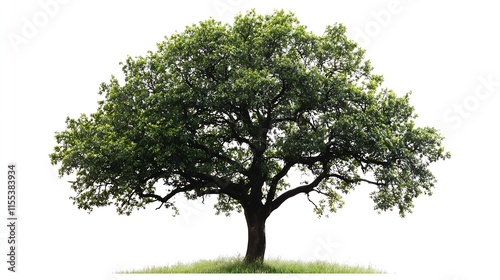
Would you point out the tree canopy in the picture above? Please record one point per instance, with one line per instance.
(231, 110)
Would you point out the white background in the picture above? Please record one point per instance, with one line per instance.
(54, 54)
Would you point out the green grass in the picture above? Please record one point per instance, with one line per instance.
(236, 265)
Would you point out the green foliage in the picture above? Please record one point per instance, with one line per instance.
(229, 110)
(236, 265)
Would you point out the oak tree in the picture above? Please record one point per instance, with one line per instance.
(231, 109)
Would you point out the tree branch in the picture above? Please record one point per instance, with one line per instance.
(141, 194)
(315, 206)
(274, 182)
(293, 192)
(357, 180)
(225, 158)
(221, 186)
(310, 187)
(237, 136)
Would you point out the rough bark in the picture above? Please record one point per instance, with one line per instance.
(256, 223)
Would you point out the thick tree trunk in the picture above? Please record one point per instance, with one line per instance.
(256, 248)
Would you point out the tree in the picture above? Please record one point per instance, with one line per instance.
(230, 110)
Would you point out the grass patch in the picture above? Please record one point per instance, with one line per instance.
(236, 265)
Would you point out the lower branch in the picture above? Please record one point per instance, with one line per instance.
(293, 192)
(310, 187)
